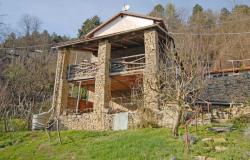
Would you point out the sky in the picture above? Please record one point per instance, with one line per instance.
(64, 17)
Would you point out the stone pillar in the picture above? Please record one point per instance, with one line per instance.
(102, 79)
(151, 68)
(61, 87)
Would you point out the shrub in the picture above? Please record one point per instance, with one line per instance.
(247, 132)
(15, 125)
(241, 121)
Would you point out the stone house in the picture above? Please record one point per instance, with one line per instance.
(104, 80)
(97, 77)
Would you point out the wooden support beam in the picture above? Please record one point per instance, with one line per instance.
(118, 45)
(61, 83)
(140, 37)
(161, 36)
(131, 41)
(126, 57)
(78, 97)
(91, 49)
(86, 48)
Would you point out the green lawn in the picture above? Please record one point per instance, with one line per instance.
(148, 143)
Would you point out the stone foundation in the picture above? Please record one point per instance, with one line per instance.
(94, 121)
(137, 119)
(147, 117)
(133, 120)
(87, 121)
(222, 113)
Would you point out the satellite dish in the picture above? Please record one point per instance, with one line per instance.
(125, 7)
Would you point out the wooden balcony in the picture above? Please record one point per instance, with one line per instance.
(119, 66)
(84, 70)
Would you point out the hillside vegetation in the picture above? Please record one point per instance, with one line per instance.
(148, 143)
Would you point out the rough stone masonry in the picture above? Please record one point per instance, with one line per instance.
(227, 88)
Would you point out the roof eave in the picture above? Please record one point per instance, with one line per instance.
(70, 43)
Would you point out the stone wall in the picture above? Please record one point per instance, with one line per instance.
(133, 120)
(138, 119)
(95, 121)
(228, 87)
(222, 114)
(150, 117)
(87, 121)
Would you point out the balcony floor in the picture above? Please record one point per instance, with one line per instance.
(119, 80)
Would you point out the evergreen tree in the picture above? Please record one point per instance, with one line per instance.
(173, 19)
(197, 9)
(55, 38)
(209, 19)
(241, 10)
(158, 11)
(10, 40)
(198, 16)
(224, 13)
(88, 25)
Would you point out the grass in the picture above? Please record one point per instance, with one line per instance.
(148, 143)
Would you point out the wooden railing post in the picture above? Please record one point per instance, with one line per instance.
(78, 97)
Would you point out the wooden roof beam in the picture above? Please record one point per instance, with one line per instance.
(131, 41)
(86, 48)
(118, 45)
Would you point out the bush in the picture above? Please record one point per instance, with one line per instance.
(247, 132)
(241, 121)
(15, 125)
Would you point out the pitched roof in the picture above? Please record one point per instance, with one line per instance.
(92, 39)
(157, 20)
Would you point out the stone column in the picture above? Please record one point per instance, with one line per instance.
(102, 79)
(61, 87)
(151, 68)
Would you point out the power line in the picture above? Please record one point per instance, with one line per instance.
(173, 33)
(26, 47)
(226, 22)
(209, 34)
(220, 23)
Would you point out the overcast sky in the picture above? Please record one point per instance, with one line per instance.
(66, 16)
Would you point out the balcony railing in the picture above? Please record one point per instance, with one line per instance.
(129, 63)
(86, 70)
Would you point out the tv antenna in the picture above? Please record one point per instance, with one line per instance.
(125, 7)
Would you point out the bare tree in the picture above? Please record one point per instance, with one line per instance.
(30, 24)
(4, 29)
(180, 79)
